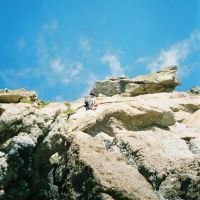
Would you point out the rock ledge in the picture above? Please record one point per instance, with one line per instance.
(162, 81)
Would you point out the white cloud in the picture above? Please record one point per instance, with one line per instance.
(71, 73)
(64, 70)
(42, 51)
(50, 27)
(57, 65)
(54, 66)
(85, 44)
(76, 69)
(21, 44)
(89, 83)
(113, 63)
(65, 80)
(176, 54)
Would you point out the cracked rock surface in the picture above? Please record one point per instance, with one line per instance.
(162, 81)
(131, 148)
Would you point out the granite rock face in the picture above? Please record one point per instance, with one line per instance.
(162, 81)
(144, 147)
(15, 96)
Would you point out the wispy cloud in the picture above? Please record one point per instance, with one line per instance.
(89, 83)
(50, 27)
(72, 72)
(76, 68)
(44, 40)
(85, 44)
(21, 44)
(65, 70)
(53, 67)
(57, 66)
(13, 78)
(42, 50)
(175, 54)
(113, 63)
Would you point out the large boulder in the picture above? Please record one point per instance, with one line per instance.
(194, 121)
(135, 148)
(162, 81)
(195, 90)
(15, 96)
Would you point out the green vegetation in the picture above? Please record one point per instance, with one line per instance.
(25, 100)
(69, 110)
(67, 104)
(42, 104)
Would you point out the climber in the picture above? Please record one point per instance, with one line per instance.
(90, 103)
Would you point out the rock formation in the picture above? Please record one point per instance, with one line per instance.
(145, 147)
(195, 90)
(162, 81)
(15, 96)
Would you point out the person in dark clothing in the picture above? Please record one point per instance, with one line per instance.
(90, 103)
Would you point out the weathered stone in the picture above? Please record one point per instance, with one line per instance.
(161, 81)
(15, 96)
(144, 147)
(194, 121)
(108, 172)
(195, 90)
(1, 110)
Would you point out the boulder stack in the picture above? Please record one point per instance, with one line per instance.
(195, 90)
(16, 96)
(129, 148)
(145, 147)
(162, 81)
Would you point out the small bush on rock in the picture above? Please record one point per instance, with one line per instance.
(25, 100)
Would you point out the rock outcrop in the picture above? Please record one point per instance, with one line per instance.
(195, 90)
(15, 96)
(162, 81)
(145, 147)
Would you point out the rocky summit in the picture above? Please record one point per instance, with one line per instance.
(144, 147)
(162, 81)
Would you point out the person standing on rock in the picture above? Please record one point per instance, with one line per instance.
(90, 103)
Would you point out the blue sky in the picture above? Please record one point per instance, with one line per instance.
(59, 48)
